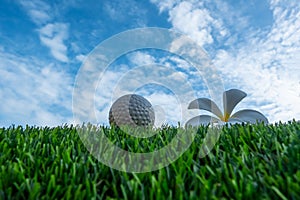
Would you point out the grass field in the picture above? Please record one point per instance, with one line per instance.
(248, 162)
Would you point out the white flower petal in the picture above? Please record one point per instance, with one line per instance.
(230, 99)
(206, 104)
(202, 120)
(234, 121)
(251, 116)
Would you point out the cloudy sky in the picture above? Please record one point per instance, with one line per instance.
(254, 45)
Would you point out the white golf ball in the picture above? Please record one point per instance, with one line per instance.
(133, 110)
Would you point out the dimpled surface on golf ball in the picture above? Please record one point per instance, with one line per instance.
(132, 110)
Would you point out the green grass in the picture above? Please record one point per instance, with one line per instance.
(248, 162)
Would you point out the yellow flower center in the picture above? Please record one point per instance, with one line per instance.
(226, 117)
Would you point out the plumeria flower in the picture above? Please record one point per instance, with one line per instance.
(230, 99)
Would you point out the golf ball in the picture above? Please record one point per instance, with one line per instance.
(133, 110)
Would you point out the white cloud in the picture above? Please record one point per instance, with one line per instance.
(167, 108)
(265, 63)
(53, 36)
(120, 11)
(33, 92)
(106, 94)
(37, 10)
(81, 57)
(165, 5)
(192, 18)
(139, 58)
(266, 66)
(195, 22)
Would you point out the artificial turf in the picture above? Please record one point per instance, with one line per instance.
(248, 162)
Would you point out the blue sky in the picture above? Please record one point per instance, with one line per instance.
(254, 45)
